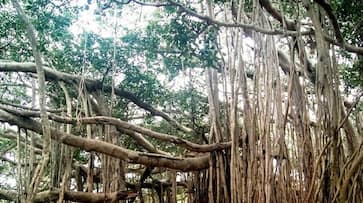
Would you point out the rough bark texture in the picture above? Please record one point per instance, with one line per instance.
(279, 130)
(149, 159)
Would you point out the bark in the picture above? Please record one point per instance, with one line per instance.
(353, 170)
(68, 150)
(125, 126)
(327, 91)
(247, 27)
(8, 195)
(148, 159)
(91, 85)
(351, 141)
(41, 85)
(329, 11)
(130, 129)
(291, 25)
(49, 196)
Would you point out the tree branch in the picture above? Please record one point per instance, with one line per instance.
(151, 4)
(148, 159)
(292, 27)
(39, 172)
(329, 11)
(49, 196)
(29, 108)
(249, 27)
(129, 129)
(92, 85)
(161, 136)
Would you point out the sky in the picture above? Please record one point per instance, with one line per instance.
(131, 17)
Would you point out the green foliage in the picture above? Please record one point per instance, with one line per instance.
(171, 43)
(144, 85)
(209, 52)
(11, 47)
(13, 92)
(80, 156)
(193, 105)
(6, 169)
(352, 75)
(51, 22)
(349, 15)
(190, 108)
(176, 44)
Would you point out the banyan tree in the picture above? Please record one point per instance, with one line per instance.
(181, 101)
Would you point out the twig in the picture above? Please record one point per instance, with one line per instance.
(349, 111)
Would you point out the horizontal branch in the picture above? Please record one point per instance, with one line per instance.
(148, 159)
(155, 184)
(92, 85)
(12, 135)
(344, 45)
(249, 27)
(291, 26)
(29, 108)
(151, 4)
(129, 129)
(161, 136)
(49, 196)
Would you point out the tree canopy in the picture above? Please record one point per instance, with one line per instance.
(181, 101)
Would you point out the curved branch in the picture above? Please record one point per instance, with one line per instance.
(29, 108)
(148, 159)
(151, 4)
(48, 196)
(292, 27)
(92, 85)
(31, 34)
(129, 129)
(344, 45)
(329, 11)
(98, 106)
(140, 140)
(161, 136)
(255, 28)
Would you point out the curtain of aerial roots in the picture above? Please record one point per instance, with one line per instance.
(112, 169)
(260, 169)
(110, 176)
(340, 167)
(111, 172)
(287, 144)
(262, 116)
(26, 153)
